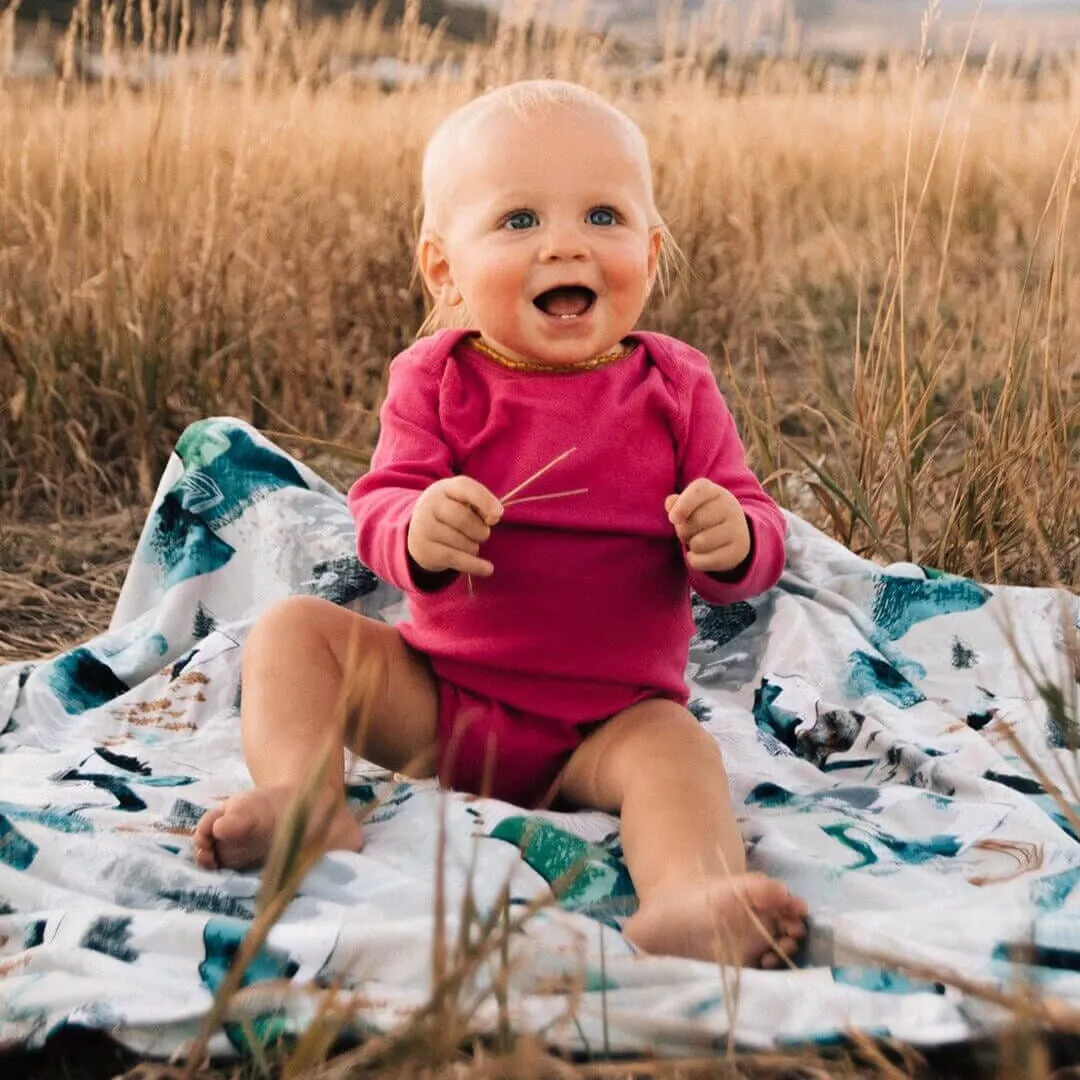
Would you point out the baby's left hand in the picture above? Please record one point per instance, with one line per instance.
(711, 525)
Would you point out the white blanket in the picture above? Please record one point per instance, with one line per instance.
(863, 712)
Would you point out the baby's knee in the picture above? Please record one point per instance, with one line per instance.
(277, 629)
(307, 626)
(653, 730)
(292, 612)
(656, 719)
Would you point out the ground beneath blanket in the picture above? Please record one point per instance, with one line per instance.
(59, 580)
(79, 1055)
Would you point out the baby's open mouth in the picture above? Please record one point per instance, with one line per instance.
(566, 301)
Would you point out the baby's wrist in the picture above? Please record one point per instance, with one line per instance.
(425, 580)
(739, 571)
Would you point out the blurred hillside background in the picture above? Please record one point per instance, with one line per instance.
(850, 26)
(843, 26)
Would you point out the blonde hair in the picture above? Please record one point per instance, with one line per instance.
(526, 99)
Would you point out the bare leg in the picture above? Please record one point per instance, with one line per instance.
(297, 661)
(664, 775)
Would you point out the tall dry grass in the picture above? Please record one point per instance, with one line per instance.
(881, 258)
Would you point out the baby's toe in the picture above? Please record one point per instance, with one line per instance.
(203, 847)
(232, 824)
(206, 857)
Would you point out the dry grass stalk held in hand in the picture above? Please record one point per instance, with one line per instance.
(511, 498)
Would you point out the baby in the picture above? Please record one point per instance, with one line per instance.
(547, 487)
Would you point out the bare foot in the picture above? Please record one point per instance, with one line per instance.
(239, 833)
(721, 919)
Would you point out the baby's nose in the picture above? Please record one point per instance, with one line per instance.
(566, 242)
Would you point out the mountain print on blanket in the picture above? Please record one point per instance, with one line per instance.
(866, 713)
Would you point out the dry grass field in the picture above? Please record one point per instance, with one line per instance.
(883, 261)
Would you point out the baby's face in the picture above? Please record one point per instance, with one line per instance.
(545, 232)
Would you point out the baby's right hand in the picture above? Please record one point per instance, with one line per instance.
(450, 521)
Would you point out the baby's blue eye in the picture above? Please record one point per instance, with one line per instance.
(521, 219)
(601, 215)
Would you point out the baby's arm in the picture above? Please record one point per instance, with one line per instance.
(415, 519)
(721, 510)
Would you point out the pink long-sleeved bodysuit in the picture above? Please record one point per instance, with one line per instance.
(588, 609)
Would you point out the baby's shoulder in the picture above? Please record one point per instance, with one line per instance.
(678, 362)
(427, 355)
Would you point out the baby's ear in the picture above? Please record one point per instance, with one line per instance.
(435, 268)
(656, 244)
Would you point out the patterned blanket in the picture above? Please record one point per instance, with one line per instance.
(867, 716)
